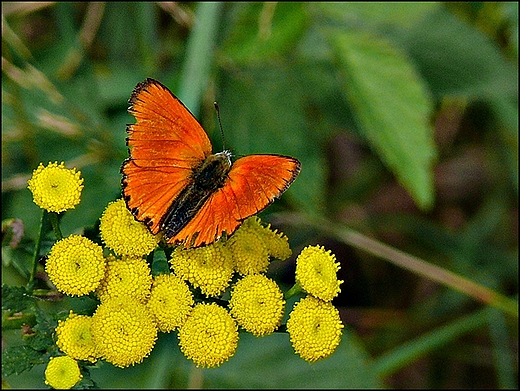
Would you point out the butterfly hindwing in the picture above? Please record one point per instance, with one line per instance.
(253, 183)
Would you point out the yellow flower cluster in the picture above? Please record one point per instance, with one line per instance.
(252, 245)
(314, 324)
(170, 303)
(123, 234)
(123, 330)
(209, 336)
(134, 306)
(126, 277)
(257, 304)
(56, 188)
(74, 337)
(62, 373)
(76, 265)
(316, 272)
(209, 268)
(314, 327)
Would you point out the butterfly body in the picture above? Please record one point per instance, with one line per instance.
(206, 179)
(174, 184)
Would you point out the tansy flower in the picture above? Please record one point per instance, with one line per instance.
(75, 337)
(76, 265)
(257, 304)
(123, 234)
(170, 302)
(249, 251)
(124, 331)
(56, 188)
(209, 336)
(62, 373)
(314, 327)
(128, 276)
(209, 268)
(316, 273)
(276, 243)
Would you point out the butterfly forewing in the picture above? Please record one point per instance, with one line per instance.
(165, 144)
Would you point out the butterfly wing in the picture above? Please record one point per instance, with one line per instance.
(165, 144)
(253, 183)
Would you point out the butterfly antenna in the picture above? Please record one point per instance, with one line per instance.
(220, 124)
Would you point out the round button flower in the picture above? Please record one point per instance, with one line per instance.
(124, 331)
(314, 327)
(62, 373)
(276, 243)
(170, 303)
(257, 304)
(56, 188)
(316, 273)
(74, 337)
(210, 335)
(249, 251)
(209, 268)
(124, 234)
(128, 276)
(75, 265)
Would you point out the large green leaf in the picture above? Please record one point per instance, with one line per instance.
(392, 108)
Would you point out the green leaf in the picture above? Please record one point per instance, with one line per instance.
(15, 298)
(42, 339)
(392, 108)
(17, 359)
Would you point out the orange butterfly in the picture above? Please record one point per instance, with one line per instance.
(173, 183)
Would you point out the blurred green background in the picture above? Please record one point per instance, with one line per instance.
(405, 119)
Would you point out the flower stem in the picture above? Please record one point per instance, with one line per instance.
(53, 216)
(37, 246)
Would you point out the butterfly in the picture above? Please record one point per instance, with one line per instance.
(173, 182)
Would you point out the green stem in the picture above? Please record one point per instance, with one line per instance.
(411, 263)
(199, 55)
(53, 217)
(293, 291)
(36, 253)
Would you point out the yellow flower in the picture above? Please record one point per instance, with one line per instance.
(316, 273)
(314, 327)
(56, 188)
(128, 276)
(76, 265)
(62, 373)
(124, 331)
(276, 243)
(249, 251)
(123, 234)
(170, 302)
(75, 337)
(257, 304)
(209, 268)
(209, 336)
